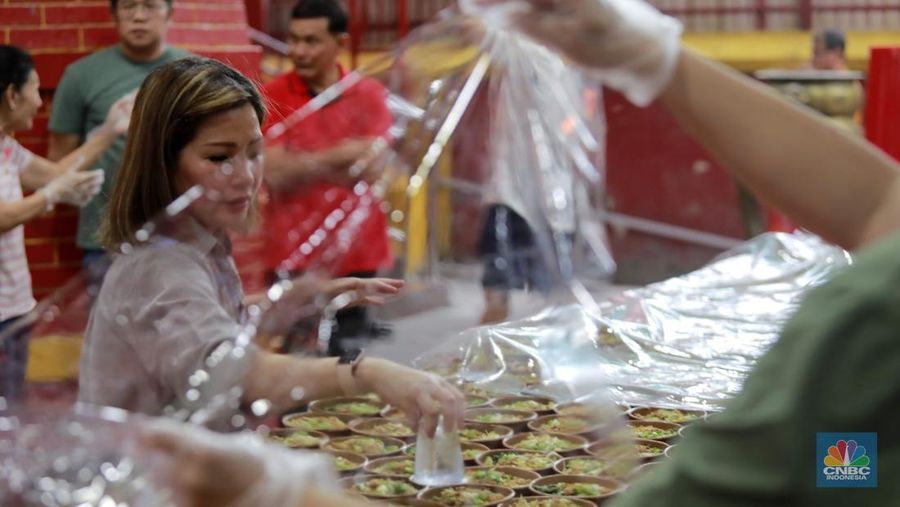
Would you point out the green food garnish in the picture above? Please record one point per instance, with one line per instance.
(572, 489)
(466, 496)
(648, 432)
(545, 443)
(365, 445)
(496, 478)
(316, 423)
(354, 408)
(527, 461)
(385, 487)
(297, 439)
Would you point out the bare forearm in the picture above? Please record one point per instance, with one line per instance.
(287, 381)
(830, 182)
(14, 214)
(87, 154)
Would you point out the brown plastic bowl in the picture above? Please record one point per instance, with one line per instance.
(493, 443)
(283, 432)
(367, 426)
(513, 471)
(612, 485)
(646, 414)
(670, 427)
(288, 420)
(433, 493)
(349, 483)
(526, 501)
(328, 405)
(358, 459)
(543, 471)
(577, 447)
(515, 419)
(548, 403)
(373, 465)
(335, 442)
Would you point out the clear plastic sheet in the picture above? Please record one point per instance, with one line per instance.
(539, 152)
(478, 116)
(88, 456)
(686, 343)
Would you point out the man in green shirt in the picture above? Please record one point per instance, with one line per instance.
(90, 86)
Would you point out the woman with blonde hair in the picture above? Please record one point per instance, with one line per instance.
(172, 302)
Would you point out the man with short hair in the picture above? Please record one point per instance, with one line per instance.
(309, 170)
(91, 85)
(828, 50)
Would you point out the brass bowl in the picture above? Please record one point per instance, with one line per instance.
(376, 426)
(515, 419)
(353, 484)
(373, 466)
(338, 444)
(296, 421)
(574, 444)
(275, 436)
(527, 477)
(433, 494)
(494, 455)
(611, 486)
(337, 406)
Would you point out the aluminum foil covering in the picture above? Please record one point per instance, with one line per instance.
(687, 342)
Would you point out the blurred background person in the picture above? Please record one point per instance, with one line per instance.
(308, 169)
(829, 48)
(87, 90)
(53, 183)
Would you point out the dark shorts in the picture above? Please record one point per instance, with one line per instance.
(13, 358)
(512, 259)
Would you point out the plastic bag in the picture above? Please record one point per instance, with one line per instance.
(685, 343)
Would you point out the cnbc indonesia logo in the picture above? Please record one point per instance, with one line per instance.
(846, 461)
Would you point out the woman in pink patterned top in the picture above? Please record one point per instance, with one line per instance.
(52, 183)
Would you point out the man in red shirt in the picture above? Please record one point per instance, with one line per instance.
(314, 190)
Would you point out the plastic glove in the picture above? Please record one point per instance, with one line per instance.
(234, 470)
(75, 188)
(119, 116)
(633, 47)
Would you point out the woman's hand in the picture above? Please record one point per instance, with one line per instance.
(234, 470)
(363, 291)
(422, 396)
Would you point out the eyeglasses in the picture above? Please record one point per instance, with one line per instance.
(130, 7)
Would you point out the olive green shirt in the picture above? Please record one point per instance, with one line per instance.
(836, 368)
(88, 89)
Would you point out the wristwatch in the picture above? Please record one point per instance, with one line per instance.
(347, 365)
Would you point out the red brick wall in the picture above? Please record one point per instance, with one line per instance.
(58, 32)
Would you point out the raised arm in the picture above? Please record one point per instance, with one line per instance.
(76, 158)
(832, 183)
